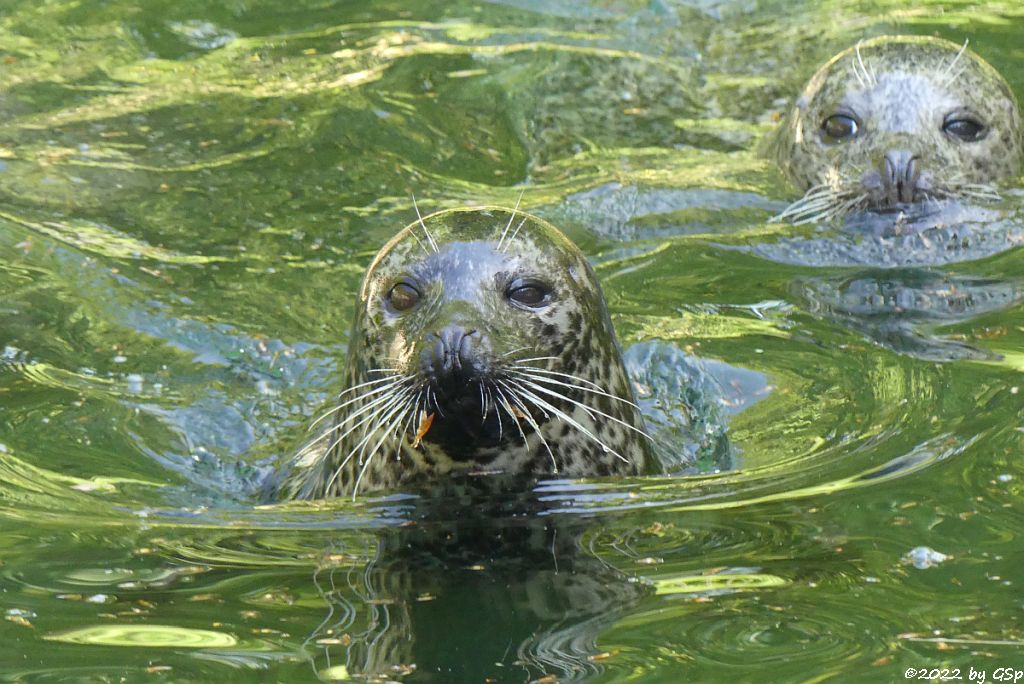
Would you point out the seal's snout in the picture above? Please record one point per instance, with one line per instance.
(900, 174)
(453, 360)
(898, 179)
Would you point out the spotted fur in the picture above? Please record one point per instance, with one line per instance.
(465, 260)
(901, 90)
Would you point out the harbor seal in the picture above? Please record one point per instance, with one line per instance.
(481, 345)
(898, 120)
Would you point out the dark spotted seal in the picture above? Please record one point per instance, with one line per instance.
(481, 344)
(898, 120)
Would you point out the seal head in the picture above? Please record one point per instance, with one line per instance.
(481, 344)
(898, 120)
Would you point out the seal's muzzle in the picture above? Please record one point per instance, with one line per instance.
(454, 362)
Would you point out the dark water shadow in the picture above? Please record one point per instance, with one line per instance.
(473, 587)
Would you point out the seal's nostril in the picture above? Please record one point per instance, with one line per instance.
(452, 358)
(900, 173)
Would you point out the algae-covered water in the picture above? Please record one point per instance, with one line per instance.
(189, 193)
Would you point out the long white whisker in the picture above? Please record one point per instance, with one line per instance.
(377, 390)
(545, 371)
(370, 415)
(497, 412)
(511, 239)
(376, 448)
(511, 218)
(413, 413)
(430, 238)
(432, 395)
(373, 403)
(948, 72)
(539, 358)
(562, 415)
(580, 388)
(365, 410)
(488, 403)
(375, 381)
(533, 423)
(588, 409)
(381, 420)
(860, 61)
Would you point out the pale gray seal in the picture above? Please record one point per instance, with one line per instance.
(898, 120)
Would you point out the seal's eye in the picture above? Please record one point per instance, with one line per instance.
(839, 128)
(403, 297)
(964, 128)
(532, 294)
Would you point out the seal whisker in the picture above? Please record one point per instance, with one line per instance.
(980, 191)
(410, 428)
(376, 381)
(364, 395)
(365, 410)
(426, 231)
(370, 414)
(948, 72)
(514, 234)
(816, 198)
(373, 403)
(381, 419)
(562, 415)
(545, 371)
(581, 388)
(488, 401)
(510, 353)
(419, 404)
(539, 358)
(802, 212)
(511, 218)
(864, 78)
(413, 232)
(504, 403)
(337, 442)
(588, 409)
(497, 412)
(376, 447)
(820, 203)
(524, 409)
(432, 395)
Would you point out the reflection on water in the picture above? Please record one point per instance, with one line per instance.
(471, 600)
(897, 309)
(191, 193)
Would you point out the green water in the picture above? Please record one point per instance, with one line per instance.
(189, 193)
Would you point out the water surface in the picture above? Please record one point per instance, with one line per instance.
(189, 193)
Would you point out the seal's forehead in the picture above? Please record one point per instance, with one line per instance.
(466, 249)
(920, 100)
(899, 77)
(477, 232)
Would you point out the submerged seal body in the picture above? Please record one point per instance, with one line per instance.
(481, 344)
(898, 120)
